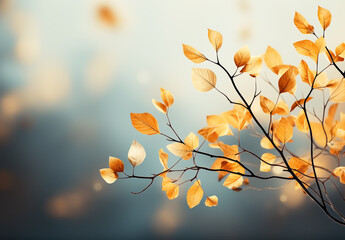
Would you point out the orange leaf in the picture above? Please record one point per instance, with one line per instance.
(192, 141)
(194, 194)
(108, 175)
(268, 159)
(306, 74)
(340, 50)
(116, 164)
(233, 181)
(216, 39)
(299, 103)
(242, 56)
(193, 54)
(253, 67)
(145, 123)
(180, 150)
(203, 79)
(302, 25)
(272, 59)
(287, 82)
(209, 133)
(163, 157)
(160, 106)
(301, 122)
(283, 130)
(167, 97)
(307, 48)
(340, 172)
(324, 16)
(211, 201)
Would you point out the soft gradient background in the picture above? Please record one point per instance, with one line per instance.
(71, 71)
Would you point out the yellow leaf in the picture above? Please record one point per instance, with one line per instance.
(265, 143)
(211, 201)
(166, 184)
(180, 150)
(160, 106)
(242, 56)
(298, 165)
(269, 107)
(272, 59)
(340, 50)
(108, 175)
(136, 153)
(233, 181)
(203, 79)
(145, 123)
(192, 141)
(299, 103)
(319, 135)
(281, 108)
(194, 194)
(306, 74)
(209, 133)
(253, 67)
(269, 159)
(324, 16)
(116, 164)
(163, 157)
(334, 57)
(221, 124)
(228, 166)
(302, 25)
(320, 44)
(301, 122)
(167, 97)
(337, 91)
(239, 117)
(284, 130)
(340, 172)
(173, 191)
(229, 150)
(216, 39)
(307, 48)
(281, 69)
(193, 54)
(287, 82)
(331, 113)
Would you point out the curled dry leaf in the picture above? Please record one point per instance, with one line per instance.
(160, 106)
(203, 79)
(108, 175)
(324, 16)
(116, 164)
(167, 97)
(302, 25)
(194, 194)
(136, 153)
(242, 56)
(145, 123)
(216, 39)
(193, 54)
(211, 201)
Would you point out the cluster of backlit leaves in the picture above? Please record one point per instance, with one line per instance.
(331, 133)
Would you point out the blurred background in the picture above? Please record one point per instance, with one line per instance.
(71, 72)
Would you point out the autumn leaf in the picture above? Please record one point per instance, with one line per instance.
(302, 25)
(180, 150)
(269, 107)
(216, 39)
(283, 130)
(332, 57)
(234, 181)
(242, 56)
(203, 79)
(340, 50)
(272, 59)
(287, 82)
(267, 159)
(159, 106)
(222, 127)
(109, 175)
(163, 157)
(193, 54)
(340, 172)
(116, 164)
(307, 48)
(211, 201)
(324, 16)
(253, 67)
(265, 143)
(306, 74)
(194, 194)
(227, 166)
(192, 141)
(167, 97)
(299, 103)
(170, 188)
(299, 166)
(301, 122)
(136, 153)
(337, 91)
(145, 123)
(209, 133)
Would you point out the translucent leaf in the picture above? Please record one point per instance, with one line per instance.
(272, 59)
(324, 16)
(242, 56)
(203, 79)
(192, 141)
(216, 39)
(167, 97)
(211, 201)
(163, 157)
(194, 194)
(180, 150)
(253, 67)
(160, 106)
(145, 123)
(193, 54)
(299, 103)
(340, 172)
(136, 153)
(108, 175)
(269, 159)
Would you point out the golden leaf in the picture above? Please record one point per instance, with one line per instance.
(136, 153)
(216, 39)
(116, 164)
(301, 122)
(203, 79)
(306, 74)
(221, 124)
(340, 50)
(163, 157)
(331, 113)
(108, 175)
(272, 59)
(193, 54)
(269, 159)
(337, 91)
(299, 103)
(299, 166)
(269, 107)
(180, 150)
(319, 135)
(228, 166)
(335, 58)
(192, 141)
(284, 130)
(307, 48)
(234, 181)
(340, 172)
(211, 201)
(160, 106)
(287, 82)
(242, 56)
(194, 194)
(173, 191)
(302, 25)
(265, 143)
(167, 97)
(239, 117)
(253, 67)
(145, 123)
(281, 69)
(324, 16)
(209, 133)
